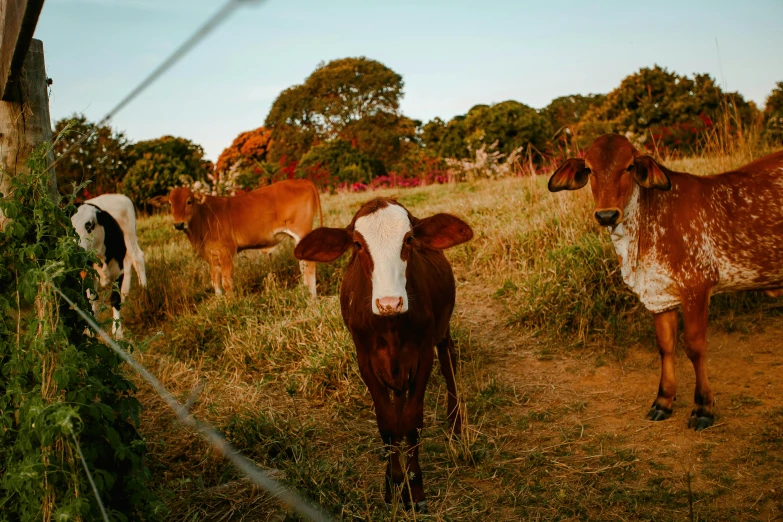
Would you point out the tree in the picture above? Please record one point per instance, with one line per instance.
(447, 140)
(565, 113)
(336, 162)
(103, 158)
(773, 114)
(161, 164)
(672, 108)
(510, 124)
(355, 99)
(246, 149)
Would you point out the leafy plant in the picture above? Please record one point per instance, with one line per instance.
(58, 386)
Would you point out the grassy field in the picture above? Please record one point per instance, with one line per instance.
(557, 369)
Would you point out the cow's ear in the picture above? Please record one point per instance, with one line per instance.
(649, 174)
(572, 175)
(323, 245)
(441, 231)
(199, 197)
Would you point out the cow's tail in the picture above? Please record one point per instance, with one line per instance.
(318, 204)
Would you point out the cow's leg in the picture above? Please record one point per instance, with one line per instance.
(308, 276)
(666, 337)
(447, 358)
(694, 310)
(411, 422)
(227, 271)
(126, 281)
(214, 265)
(307, 268)
(116, 302)
(387, 419)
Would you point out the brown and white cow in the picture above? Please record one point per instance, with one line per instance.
(396, 298)
(681, 238)
(219, 227)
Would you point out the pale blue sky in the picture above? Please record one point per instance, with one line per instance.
(452, 54)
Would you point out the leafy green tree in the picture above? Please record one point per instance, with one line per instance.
(510, 124)
(354, 99)
(773, 114)
(60, 389)
(335, 162)
(566, 112)
(447, 140)
(161, 164)
(103, 158)
(665, 105)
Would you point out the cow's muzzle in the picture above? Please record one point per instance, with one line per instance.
(389, 305)
(179, 226)
(607, 218)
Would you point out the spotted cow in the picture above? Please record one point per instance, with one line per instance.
(682, 238)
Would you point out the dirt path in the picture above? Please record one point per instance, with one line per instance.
(586, 412)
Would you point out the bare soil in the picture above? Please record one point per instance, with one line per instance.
(734, 470)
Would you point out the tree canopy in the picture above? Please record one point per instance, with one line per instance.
(773, 114)
(508, 124)
(354, 99)
(162, 164)
(102, 159)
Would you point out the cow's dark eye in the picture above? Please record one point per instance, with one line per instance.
(630, 168)
(189, 202)
(409, 240)
(587, 170)
(358, 245)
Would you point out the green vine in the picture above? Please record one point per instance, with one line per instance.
(57, 384)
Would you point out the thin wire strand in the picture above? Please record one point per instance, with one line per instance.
(245, 465)
(89, 477)
(210, 25)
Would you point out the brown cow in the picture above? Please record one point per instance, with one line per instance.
(219, 227)
(681, 238)
(396, 298)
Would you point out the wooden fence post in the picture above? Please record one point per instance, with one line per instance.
(25, 124)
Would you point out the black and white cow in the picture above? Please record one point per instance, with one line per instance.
(107, 225)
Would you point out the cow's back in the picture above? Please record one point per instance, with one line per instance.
(725, 230)
(258, 216)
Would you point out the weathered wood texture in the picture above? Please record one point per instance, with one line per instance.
(25, 125)
(18, 19)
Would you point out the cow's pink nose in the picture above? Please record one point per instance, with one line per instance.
(389, 305)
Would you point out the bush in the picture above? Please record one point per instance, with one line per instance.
(336, 163)
(162, 164)
(102, 158)
(58, 385)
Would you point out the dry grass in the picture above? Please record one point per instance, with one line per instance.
(282, 382)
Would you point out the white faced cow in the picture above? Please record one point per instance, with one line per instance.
(107, 225)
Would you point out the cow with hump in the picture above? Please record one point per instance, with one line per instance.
(220, 227)
(106, 225)
(682, 238)
(396, 299)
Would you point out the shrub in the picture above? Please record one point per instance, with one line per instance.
(162, 164)
(336, 162)
(59, 386)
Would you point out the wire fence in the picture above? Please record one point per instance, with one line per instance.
(182, 411)
(247, 467)
(188, 45)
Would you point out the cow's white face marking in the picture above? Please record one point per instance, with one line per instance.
(384, 232)
(91, 235)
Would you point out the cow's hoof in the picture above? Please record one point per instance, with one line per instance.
(658, 413)
(421, 507)
(700, 423)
